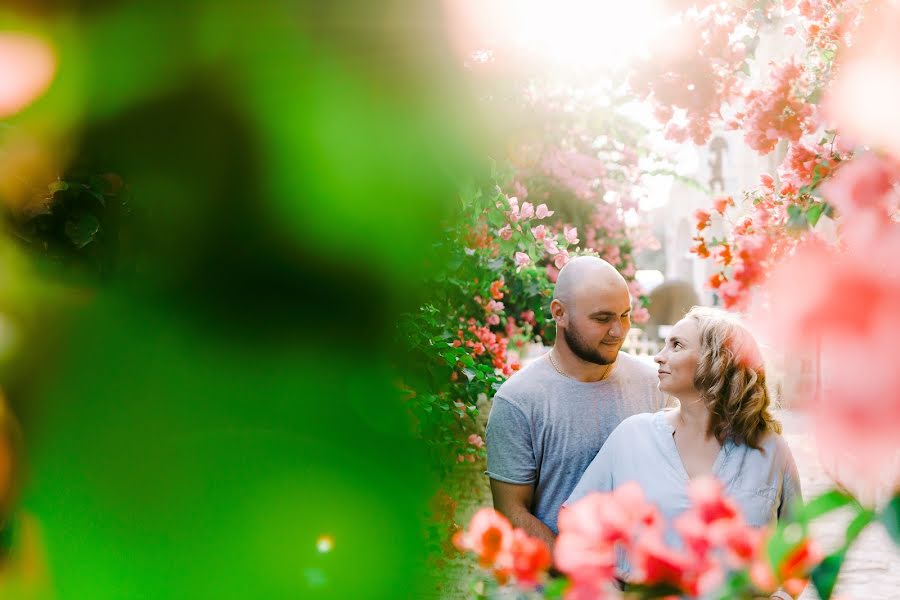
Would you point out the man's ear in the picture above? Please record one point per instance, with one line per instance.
(557, 310)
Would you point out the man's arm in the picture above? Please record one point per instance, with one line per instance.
(514, 501)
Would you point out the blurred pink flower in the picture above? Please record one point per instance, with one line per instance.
(865, 182)
(522, 260)
(476, 440)
(488, 535)
(551, 246)
(526, 212)
(543, 212)
(28, 65)
(530, 558)
(571, 234)
(872, 119)
(505, 232)
(493, 319)
(561, 259)
(640, 315)
(539, 232)
(842, 306)
(494, 306)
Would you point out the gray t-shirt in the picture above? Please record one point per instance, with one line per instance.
(764, 483)
(545, 428)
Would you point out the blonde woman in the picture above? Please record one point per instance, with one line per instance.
(723, 427)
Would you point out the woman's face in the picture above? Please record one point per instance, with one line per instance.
(679, 358)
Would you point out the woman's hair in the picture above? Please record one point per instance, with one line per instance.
(731, 379)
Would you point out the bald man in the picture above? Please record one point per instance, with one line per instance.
(550, 419)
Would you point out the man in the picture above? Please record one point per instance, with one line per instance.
(550, 419)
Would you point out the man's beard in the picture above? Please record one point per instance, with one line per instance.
(582, 350)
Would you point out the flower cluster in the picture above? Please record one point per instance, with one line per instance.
(694, 72)
(483, 341)
(605, 532)
(510, 554)
(778, 112)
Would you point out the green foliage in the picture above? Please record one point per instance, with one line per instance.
(77, 223)
(450, 377)
(890, 518)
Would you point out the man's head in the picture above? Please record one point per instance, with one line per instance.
(592, 309)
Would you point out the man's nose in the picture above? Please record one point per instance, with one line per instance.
(659, 359)
(616, 330)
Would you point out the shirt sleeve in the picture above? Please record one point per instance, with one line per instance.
(791, 496)
(599, 475)
(510, 454)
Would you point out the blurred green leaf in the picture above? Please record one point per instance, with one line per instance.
(825, 574)
(890, 518)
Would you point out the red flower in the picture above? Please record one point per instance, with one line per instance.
(702, 218)
(496, 292)
(530, 558)
(720, 204)
(700, 248)
(488, 535)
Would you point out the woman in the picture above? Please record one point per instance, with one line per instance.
(722, 428)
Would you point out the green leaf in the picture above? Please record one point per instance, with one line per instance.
(796, 218)
(825, 503)
(813, 213)
(58, 186)
(556, 587)
(83, 230)
(890, 517)
(825, 575)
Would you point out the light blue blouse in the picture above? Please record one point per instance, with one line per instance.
(764, 483)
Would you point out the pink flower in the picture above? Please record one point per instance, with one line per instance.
(528, 316)
(654, 564)
(872, 119)
(493, 306)
(526, 212)
(505, 232)
(476, 440)
(706, 494)
(522, 260)
(858, 407)
(550, 246)
(530, 558)
(789, 30)
(640, 315)
(28, 65)
(722, 203)
(539, 233)
(542, 212)
(612, 255)
(767, 181)
(488, 535)
(571, 234)
(702, 217)
(493, 320)
(561, 259)
(866, 182)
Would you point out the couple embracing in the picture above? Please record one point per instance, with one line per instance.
(586, 418)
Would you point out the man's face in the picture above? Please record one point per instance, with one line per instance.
(596, 324)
